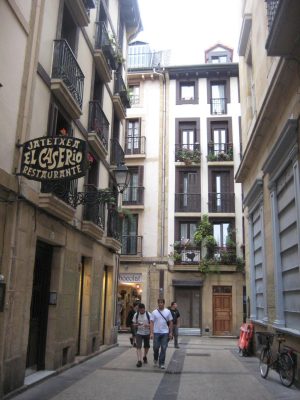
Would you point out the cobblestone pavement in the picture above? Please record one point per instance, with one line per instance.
(202, 368)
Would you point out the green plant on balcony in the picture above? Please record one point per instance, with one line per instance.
(117, 51)
(203, 236)
(175, 254)
(188, 156)
(208, 266)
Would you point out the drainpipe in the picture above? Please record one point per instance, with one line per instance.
(163, 180)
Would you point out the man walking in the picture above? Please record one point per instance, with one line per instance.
(176, 322)
(141, 320)
(161, 328)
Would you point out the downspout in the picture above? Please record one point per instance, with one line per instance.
(163, 178)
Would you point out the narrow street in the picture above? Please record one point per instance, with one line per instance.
(202, 368)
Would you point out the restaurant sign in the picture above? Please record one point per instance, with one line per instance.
(54, 158)
(130, 278)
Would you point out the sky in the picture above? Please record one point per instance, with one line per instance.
(188, 27)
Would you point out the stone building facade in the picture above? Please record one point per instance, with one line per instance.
(269, 170)
(62, 76)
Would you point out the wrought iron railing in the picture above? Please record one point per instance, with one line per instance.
(218, 106)
(188, 153)
(225, 255)
(121, 90)
(66, 68)
(117, 153)
(94, 212)
(220, 152)
(221, 202)
(187, 202)
(132, 245)
(98, 122)
(65, 190)
(272, 6)
(133, 195)
(114, 224)
(103, 42)
(135, 145)
(184, 255)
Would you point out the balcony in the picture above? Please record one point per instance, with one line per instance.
(186, 258)
(114, 229)
(218, 106)
(220, 152)
(132, 245)
(121, 99)
(135, 145)
(221, 202)
(80, 9)
(188, 153)
(187, 202)
(57, 198)
(133, 195)
(104, 54)
(284, 27)
(67, 78)
(93, 222)
(117, 153)
(98, 129)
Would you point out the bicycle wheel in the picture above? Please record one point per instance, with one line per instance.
(264, 362)
(286, 369)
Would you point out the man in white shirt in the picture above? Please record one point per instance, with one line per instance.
(141, 321)
(161, 328)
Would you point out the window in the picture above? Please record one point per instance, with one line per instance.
(187, 135)
(221, 196)
(188, 197)
(219, 59)
(221, 233)
(134, 94)
(187, 92)
(134, 193)
(133, 137)
(129, 234)
(218, 98)
(187, 231)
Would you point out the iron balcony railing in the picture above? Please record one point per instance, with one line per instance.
(221, 202)
(117, 156)
(190, 255)
(225, 255)
(132, 245)
(66, 68)
(114, 224)
(133, 195)
(135, 145)
(134, 98)
(272, 6)
(187, 202)
(218, 106)
(104, 43)
(220, 152)
(188, 153)
(65, 190)
(98, 122)
(94, 212)
(121, 90)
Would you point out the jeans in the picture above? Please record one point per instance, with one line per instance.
(160, 341)
(175, 335)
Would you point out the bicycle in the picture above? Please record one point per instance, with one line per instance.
(283, 364)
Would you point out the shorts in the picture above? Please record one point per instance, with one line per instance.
(143, 338)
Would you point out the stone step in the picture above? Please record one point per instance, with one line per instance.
(189, 331)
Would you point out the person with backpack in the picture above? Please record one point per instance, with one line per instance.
(130, 325)
(176, 317)
(161, 331)
(141, 321)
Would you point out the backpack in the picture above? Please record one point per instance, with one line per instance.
(147, 314)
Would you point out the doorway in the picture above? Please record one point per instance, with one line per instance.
(188, 300)
(39, 307)
(222, 310)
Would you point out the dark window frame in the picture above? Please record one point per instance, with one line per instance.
(188, 82)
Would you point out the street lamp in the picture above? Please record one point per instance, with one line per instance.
(122, 177)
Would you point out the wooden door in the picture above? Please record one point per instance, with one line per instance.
(222, 310)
